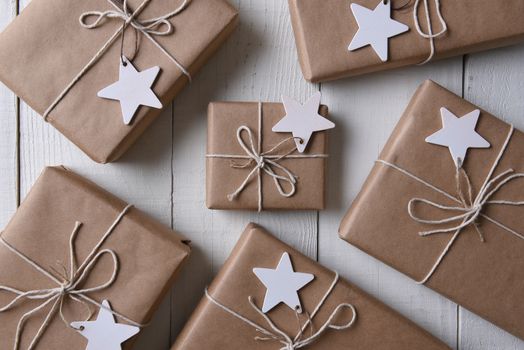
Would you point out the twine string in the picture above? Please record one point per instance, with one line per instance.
(468, 210)
(265, 162)
(67, 287)
(148, 27)
(430, 35)
(278, 335)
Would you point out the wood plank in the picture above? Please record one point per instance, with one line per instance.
(366, 110)
(493, 80)
(141, 177)
(258, 63)
(8, 132)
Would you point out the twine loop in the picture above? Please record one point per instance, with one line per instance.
(68, 285)
(469, 210)
(151, 26)
(264, 162)
(148, 27)
(298, 342)
(430, 35)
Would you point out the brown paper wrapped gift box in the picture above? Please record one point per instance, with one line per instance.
(149, 257)
(324, 29)
(376, 327)
(486, 278)
(46, 47)
(224, 118)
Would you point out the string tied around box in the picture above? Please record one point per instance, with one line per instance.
(264, 162)
(470, 209)
(148, 27)
(278, 335)
(67, 285)
(430, 35)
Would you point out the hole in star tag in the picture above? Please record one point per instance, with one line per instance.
(282, 284)
(132, 89)
(302, 120)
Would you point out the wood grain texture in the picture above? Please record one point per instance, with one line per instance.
(366, 110)
(258, 63)
(164, 173)
(141, 177)
(493, 80)
(8, 132)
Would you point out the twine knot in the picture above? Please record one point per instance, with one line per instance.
(151, 26)
(68, 285)
(265, 162)
(470, 209)
(278, 335)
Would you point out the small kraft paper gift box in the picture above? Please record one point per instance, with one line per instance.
(251, 166)
(268, 296)
(77, 264)
(100, 71)
(341, 38)
(444, 202)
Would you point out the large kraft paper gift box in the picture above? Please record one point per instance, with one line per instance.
(481, 265)
(44, 49)
(148, 255)
(324, 30)
(228, 165)
(371, 325)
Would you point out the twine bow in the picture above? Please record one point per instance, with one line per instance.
(264, 162)
(67, 286)
(148, 27)
(278, 335)
(470, 209)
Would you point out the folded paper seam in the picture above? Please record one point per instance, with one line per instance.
(264, 161)
(471, 212)
(281, 336)
(68, 287)
(146, 27)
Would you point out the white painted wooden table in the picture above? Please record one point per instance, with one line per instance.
(164, 173)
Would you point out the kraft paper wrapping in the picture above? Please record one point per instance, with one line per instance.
(377, 327)
(224, 118)
(45, 48)
(486, 278)
(324, 29)
(149, 256)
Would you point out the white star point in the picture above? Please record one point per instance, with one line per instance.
(375, 27)
(302, 120)
(282, 284)
(133, 89)
(105, 333)
(458, 134)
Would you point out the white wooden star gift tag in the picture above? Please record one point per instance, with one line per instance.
(282, 284)
(133, 89)
(458, 134)
(105, 333)
(302, 120)
(375, 27)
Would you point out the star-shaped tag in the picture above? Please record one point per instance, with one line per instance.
(105, 333)
(282, 284)
(375, 27)
(302, 120)
(458, 134)
(133, 89)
